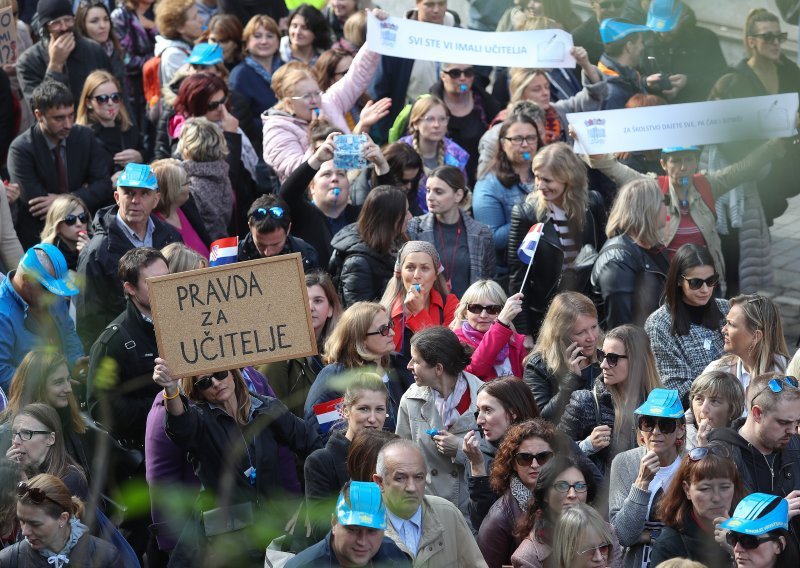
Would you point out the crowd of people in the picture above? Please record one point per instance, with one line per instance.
(626, 398)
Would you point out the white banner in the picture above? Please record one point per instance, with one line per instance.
(712, 122)
(431, 42)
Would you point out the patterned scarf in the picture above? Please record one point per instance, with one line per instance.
(521, 493)
(260, 70)
(553, 129)
(475, 337)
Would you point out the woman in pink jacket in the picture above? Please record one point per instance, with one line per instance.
(483, 320)
(300, 100)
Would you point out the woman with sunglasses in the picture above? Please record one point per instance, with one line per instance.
(67, 227)
(717, 399)
(630, 271)
(464, 244)
(483, 320)
(102, 108)
(685, 331)
(231, 437)
(53, 534)
(471, 109)
(601, 419)
(758, 533)
(563, 484)
(640, 477)
(753, 340)
(703, 493)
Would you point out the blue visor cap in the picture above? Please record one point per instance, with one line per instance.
(138, 175)
(366, 507)
(676, 149)
(61, 284)
(205, 54)
(749, 517)
(665, 403)
(615, 29)
(664, 15)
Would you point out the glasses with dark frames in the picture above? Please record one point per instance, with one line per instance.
(103, 99)
(611, 358)
(477, 309)
(214, 105)
(383, 330)
(27, 435)
(665, 425)
(771, 37)
(206, 381)
(469, 72)
(70, 219)
(564, 487)
(525, 459)
(697, 283)
(748, 541)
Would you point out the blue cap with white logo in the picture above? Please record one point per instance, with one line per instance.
(205, 54)
(664, 15)
(366, 507)
(759, 513)
(615, 29)
(59, 283)
(662, 402)
(138, 175)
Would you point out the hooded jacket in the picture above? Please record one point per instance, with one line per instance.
(364, 271)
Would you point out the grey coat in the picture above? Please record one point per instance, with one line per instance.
(482, 258)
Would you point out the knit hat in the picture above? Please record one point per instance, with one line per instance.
(417, 246)
(50, 10)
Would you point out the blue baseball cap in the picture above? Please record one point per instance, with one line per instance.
(138, 175)
(664, 15)
(205, 54)
(750, 516)
(61, 284)
(366, 507)
(675, 149)
(615, 29)
(665, 403)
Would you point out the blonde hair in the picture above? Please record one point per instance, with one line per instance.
(422, 106)
(181, 258)
(761, 314)
(519, 79)
(355, 28)
(259, 21)
(60, 208)
(360, 381)
(170, 177)
(285, 79)
(85, 115)
(636, 212)
(568, 169)
(202, 141)
(346, 345)
(723, 385)
(171, 15)
(561, 316)
(481, 289)
(570, 529)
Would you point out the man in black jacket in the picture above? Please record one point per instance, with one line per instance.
(120, 387)
(587, 35)
(118, 229)
(55, 156)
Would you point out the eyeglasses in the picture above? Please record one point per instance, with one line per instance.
(214, 105)
(612, 358)
(477, 309)
(436, 119)
(776, 386)
(104, 99)
(518, 140)
(564, 487)
(748, 541)
(525, 459)
(383, 330)
(697, 283)
(263, 213)
(603, 548)
(665, 425)
(36, 495)
(770, 37)
(205, 382)
(26, 435)
(696, 454)
(469, 72)
(70, 220)
(308, 97)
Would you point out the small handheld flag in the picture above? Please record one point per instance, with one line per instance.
(223, 251)
(328, 414)
(527, 249)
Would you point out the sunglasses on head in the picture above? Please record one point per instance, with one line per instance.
(70, 220)
(665, 425)
(214, 105)
(383, 330)
(525, 459)
(612, 358)
(469, 72)
(697, 283)
(776, 386)
(263, 213)
(36, 495)
(477, 309)
(205, 381)
(696, 454)
(103, 99)
(748, 541)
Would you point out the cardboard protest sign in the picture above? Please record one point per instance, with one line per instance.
(232, 316)
(8, 37)
(711, 122)
(411, 39)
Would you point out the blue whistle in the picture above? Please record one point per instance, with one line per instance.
(252, 476)
(418, 287)
(526, 156)
(463, 87)
(432, 432)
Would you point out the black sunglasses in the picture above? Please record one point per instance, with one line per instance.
(36, 495)
(383, 330)
(612, 358)
(525, 459)
(696, 454)
(769, 37)
(748, 541)
(469, 72)
(214, 105)
(262, 213)
(205, 382)
(697, 283)
(665, 425)
(476, 309)
(70, 220)
(103, 99)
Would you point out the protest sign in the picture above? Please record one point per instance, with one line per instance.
(712, 122)
(431, 42)
(232, 316)
(8, 37)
